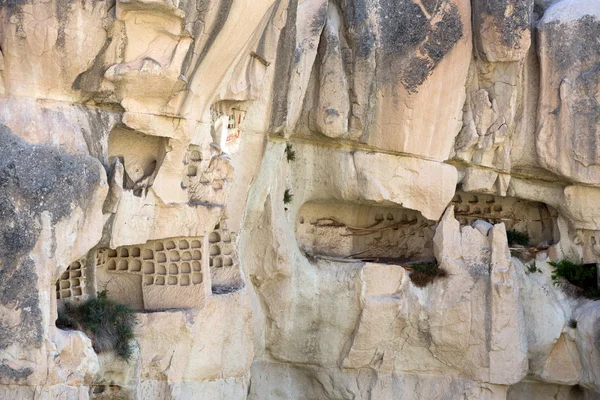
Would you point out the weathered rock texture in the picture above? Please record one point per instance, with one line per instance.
(258, 178)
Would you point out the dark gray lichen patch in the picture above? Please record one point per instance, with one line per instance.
(413, 46)
(14, 375)
(585, 116)
(432, 6)
(403, 26)
(577, 82)
(415, 73)
(511, 18)
(18, 293)
(576, 40)
(438, 43)
(33, 179)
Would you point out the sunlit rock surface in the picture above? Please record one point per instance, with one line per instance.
(262, 180)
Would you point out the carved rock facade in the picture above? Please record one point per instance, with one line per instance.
(258, 180)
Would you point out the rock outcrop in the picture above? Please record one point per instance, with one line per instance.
(315, 199)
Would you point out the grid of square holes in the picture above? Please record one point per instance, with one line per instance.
(176, 261)
(220, 251)
(71, 283)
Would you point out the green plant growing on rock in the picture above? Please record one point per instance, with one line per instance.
(592, 293)
(108, 324)
(532, 268)
(518, 238)
(580, 275)
(287, 196)
(577, 274)
(422, 274)
(289, 152)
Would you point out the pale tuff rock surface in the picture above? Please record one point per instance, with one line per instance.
(261, 180)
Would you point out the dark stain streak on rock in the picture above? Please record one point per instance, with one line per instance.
(63, 10)
(319, 20)
(223, 13)
(90, 80)
(33, 179)
(194, 16)
(14, 3)
(286, 54)
(358, 30)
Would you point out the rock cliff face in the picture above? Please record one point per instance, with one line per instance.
(265, 181)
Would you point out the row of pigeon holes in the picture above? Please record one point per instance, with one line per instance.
(193, 160)
(482, 207)
(71, 283)
(221, 248)
(401, 237)
(166, 262)
(416, 220)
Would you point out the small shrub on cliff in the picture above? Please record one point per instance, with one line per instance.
(532, 268)
(592, 293)
(581, 275)
(519, 238)
(108, 324)
(287, 196)
(290, 153)
(423, 274)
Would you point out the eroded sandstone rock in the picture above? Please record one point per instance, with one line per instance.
(264, 181)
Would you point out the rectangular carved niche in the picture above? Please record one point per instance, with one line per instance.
(524, 216)
(224, 266)
(159, 274)
(71, 286)
(362, 231)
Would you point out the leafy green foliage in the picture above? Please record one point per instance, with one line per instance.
(519, 238)
(592, 293)
(289, 152)
(580, 275)
(573, 272)
(423, 274)
(109, 325)
(532, 268)
(287, 196)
